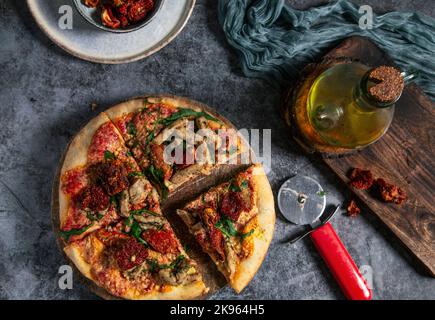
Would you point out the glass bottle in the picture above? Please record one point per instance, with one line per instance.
(343, 110)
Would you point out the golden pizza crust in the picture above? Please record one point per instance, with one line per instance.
(262, 238)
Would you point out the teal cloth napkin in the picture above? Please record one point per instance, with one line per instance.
(275, 40)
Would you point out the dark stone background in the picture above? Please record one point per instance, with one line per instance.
(45, 96)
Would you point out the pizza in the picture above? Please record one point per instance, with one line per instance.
(116, 174)
(233, 222)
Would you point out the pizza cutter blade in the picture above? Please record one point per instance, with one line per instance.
(302, 201)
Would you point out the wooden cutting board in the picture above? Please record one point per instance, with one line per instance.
(404, 156)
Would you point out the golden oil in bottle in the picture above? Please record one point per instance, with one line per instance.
(341, 111)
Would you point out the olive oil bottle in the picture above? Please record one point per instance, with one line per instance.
(346, 109)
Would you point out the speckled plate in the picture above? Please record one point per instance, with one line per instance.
(88, 42)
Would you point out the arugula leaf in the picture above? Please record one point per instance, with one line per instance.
(184, 113)
(131, 129)
(141, 211)
(109, 155)
(129, 154)
(136, 232)
(175, 265)
(115, 201)
(244, 184)
(234, 187)
(321, 193)
(226, 226)
(91, 216)
(135, 174)
(74, 232)
(157, 176)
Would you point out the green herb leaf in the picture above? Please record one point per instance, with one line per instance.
(156, 175)
(129, 154)
(74, 232)
(135, 174)
(131, 129)
(136, 232)
(115, 201)
(184, 113)
(109, 155)
(141, 211)
(321, 193)
(91, 216)
(226, 226)
(234, 187)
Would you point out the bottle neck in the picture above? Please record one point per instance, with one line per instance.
(365, 100)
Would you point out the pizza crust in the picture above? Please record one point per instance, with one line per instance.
(266, 222)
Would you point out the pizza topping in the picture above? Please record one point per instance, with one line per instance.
(73, 181)
(106, 139)
(232, 205)
(361, 179)
(389, 192)
(352, 209)
(162, 241)
(139, 190)
(94, 198)
(66, 235)
(112, 175)
(129, 253)
(178, 272)
(110, 238)
(157, 158)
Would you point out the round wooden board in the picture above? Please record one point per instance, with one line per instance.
(212, 277)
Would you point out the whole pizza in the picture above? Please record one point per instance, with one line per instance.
(120, 169)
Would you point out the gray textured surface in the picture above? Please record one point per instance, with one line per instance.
(45, 96)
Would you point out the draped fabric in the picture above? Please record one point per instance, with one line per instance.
(275, 40)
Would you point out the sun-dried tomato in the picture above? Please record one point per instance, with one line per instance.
(108, 18)
(157, 157)
(110, 238)
(129, 253)
(91, 3)
(232, 205)
(94, 198)
(389, 192)
(139, 9)
(361, 179)
(352, 209)
(162, 241)
(111, 175)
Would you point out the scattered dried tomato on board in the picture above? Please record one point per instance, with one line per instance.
(360, 179)
(352, 209)
(389, 192)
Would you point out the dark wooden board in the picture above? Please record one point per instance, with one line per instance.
(404, 156)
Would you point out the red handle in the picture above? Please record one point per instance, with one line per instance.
(340, 263)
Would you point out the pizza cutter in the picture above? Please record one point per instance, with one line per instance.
(302, 201)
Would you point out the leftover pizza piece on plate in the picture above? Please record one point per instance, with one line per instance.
(151, 125)
(111, 222)
(233, 222)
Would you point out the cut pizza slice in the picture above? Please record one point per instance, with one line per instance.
(111, 222)
(174, 140)
(234, 222)
(138, 258)
(96, 170)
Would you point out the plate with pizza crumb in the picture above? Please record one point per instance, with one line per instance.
(139, 35)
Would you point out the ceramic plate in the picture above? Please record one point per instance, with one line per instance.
(88, 42)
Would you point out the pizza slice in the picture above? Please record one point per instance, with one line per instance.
(234, 222)
(138, 258)
(96, 170)
(174, 140)
(111, 222)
